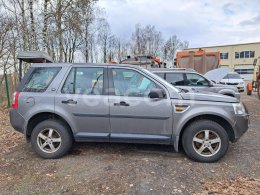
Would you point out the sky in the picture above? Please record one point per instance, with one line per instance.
(201, 22)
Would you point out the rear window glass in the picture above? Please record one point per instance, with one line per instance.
(85, 81)
(40, 79)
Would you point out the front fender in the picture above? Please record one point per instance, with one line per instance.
(200, 108)
(227, 91)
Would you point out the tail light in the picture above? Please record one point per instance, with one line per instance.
(15, 102)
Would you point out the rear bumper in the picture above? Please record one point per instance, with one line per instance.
(16, 120)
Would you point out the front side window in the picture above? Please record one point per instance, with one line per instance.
(85, 81)
(196, 80)
(40, 79)
(131, 83)
(176, 79)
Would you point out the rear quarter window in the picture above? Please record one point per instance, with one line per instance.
(40, 79)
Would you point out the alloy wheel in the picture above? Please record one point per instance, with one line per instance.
(49, 140)
(206, 143)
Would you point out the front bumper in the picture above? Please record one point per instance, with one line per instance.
(241, 89)
(16, 120)
(241, 125)
(237, 95)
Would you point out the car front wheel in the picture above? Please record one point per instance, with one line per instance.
(205, 141)
(51, 139)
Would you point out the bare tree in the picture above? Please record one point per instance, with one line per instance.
(170, 48)
(104, 36)
(146, 40)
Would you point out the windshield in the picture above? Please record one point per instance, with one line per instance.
(232, 76)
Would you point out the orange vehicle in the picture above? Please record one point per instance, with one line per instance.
(145, 61)
(201, 61)
(255, 84)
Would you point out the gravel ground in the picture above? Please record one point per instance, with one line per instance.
(99, 168)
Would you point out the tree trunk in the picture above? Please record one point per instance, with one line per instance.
(33, 31)
(45, 25)
(59, 29)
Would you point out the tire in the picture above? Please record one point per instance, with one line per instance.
(230, 95)
(59, 144)
(194, 139)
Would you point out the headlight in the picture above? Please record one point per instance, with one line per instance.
(242, 83)
(239, 108)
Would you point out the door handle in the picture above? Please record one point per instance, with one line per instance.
(121, 104)
(70, 101)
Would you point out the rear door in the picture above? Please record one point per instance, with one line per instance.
(36, 94)
(83, 102)
(134, 117)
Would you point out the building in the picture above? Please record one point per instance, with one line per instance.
(238, 57)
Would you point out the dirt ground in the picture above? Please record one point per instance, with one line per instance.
(98, 168)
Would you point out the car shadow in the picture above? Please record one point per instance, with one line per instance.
(123, 148)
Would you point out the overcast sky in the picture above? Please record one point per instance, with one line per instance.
(201, 22)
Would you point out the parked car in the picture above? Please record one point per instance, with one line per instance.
(56, 104)
(191, 80)
(234, 79)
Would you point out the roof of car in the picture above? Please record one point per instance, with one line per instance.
(82, 64)
(171, 70)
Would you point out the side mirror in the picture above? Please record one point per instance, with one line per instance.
(156, 93)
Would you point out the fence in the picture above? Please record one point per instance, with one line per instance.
(11, 88)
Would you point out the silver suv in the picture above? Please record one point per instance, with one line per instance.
(191, 80)
(57, 104)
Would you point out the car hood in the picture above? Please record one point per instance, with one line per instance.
(208, 96)
(217, 74)
(225, 86)
(232, 80)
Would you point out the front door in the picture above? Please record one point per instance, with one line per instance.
(83, 102)
(197, 82)
(134, 117)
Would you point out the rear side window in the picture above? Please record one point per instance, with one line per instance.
(40, 79)
(87, 81)
(176, 79)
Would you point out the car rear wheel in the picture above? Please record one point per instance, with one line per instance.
(205, 141)
(51, 139)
